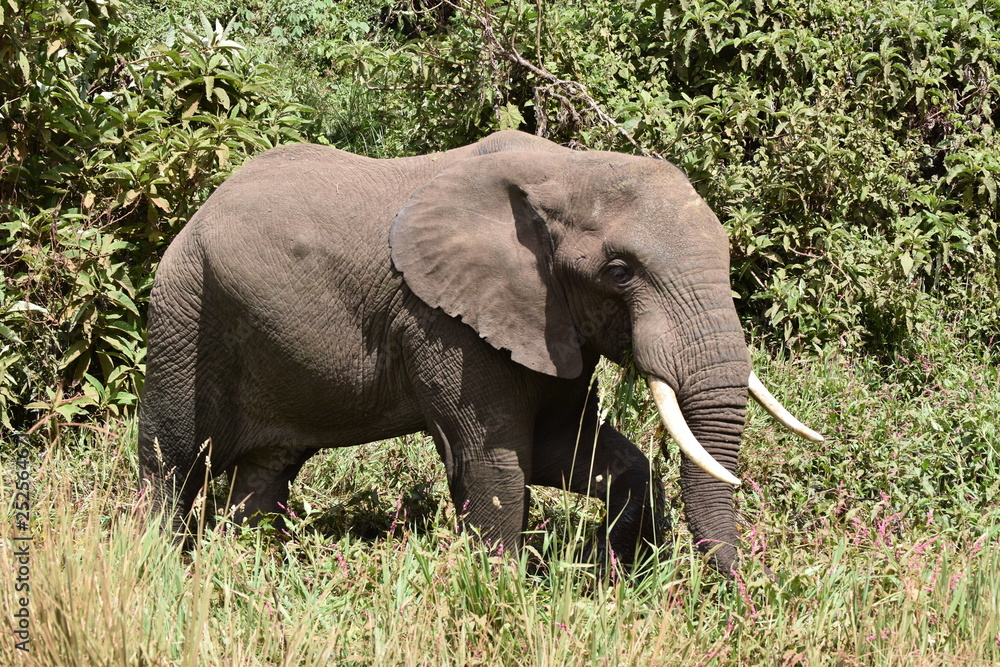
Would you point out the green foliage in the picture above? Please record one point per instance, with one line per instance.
(109, 147)
(850, 150)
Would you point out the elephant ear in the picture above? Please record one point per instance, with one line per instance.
(471, 243)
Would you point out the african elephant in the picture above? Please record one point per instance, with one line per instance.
(323, 299)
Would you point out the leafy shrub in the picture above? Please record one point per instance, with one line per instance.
(108, 149)
(850, 150)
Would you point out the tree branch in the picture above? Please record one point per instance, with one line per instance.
(571, 90)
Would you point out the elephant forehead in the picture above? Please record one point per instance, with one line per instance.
(668, 226)
(625, 187)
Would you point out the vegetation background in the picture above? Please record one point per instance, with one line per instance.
(850, 149)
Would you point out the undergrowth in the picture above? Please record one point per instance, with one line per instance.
(870, 567)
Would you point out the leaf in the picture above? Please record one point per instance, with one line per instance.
(991, 187)
(223, 97)
(70, 410)
(123, 299)
(74, 351)
(510, 117)
(206, 25)
(10, 335)
(906, 262)
(23, 306)
(191, 105)
(22, 60)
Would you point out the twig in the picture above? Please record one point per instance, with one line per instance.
(47, 417)
(826, 257)
(571, 89)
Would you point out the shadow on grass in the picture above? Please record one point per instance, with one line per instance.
(370, 516)
(367, 515)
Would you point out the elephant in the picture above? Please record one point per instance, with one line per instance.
(324, 299)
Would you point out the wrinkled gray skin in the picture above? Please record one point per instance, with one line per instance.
(322, 299)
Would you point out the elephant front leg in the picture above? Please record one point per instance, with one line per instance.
(600, 462)
(480, 408)
(487, 482)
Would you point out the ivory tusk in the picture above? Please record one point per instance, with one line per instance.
(673, 420)
(771, 404)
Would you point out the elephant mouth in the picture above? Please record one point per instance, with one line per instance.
(673, 420)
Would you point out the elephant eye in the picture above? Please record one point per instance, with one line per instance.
(619, 272)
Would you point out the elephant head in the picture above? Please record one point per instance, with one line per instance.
(559, 256)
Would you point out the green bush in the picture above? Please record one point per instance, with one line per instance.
(850, 150)
(109, 147)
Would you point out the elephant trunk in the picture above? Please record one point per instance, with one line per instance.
(713, 364)
(698, 367)
(676, 425)
(716, 418)
(705, 361)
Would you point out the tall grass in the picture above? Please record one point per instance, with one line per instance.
(373, 572)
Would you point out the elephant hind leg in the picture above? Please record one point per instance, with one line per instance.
(173, 442)
(172, 481)
(616, 472)
(260, 479)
